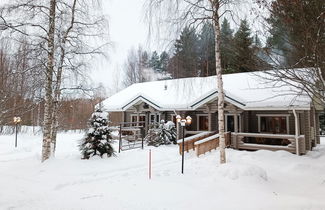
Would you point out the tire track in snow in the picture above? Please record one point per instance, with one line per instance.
(121, 173)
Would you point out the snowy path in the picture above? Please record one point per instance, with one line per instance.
(250, 180)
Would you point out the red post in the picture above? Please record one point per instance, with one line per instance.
(149, 163)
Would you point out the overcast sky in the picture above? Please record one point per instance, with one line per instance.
(128, 29)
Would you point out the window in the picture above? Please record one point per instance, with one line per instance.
(203, 122)
(142, 118)
(134, 118)
(274, 124)
(154, 118)
(230, 122)
(173, 119)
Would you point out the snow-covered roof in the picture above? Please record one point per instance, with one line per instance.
(248, 91)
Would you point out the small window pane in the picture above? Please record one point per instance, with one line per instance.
(275, 125)
(203, 123)
(142, 118)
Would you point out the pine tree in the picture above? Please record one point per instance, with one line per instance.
(260, 53)
(98, 138)
(163, 61)
(154, 61)
(206, 50)
(186, 52)
(245, 59)
(298, 33)
(257, 42)
(227, 48)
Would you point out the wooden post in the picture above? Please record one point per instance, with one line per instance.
(16, 134)
(150, 164)
(236, 122)
(296, 131)
(177, 130)
(183, 151)
(210, 121)
(120, 139)
(138, 118)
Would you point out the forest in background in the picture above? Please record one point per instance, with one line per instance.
(295, 39)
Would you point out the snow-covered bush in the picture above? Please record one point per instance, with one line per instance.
(98, 138)
(164, 134)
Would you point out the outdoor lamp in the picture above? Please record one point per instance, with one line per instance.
(17, 120)
(178, 118)
(188, 120)
(183, 122)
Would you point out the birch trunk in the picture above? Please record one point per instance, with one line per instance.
(46, 147)
(55, 124)
(221, 95)
(57, 91)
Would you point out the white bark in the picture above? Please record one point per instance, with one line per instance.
(221, 95)
(46, 147)
(57, 90)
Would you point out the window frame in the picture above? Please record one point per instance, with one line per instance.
(198, 121)
(156, 115)
(239, 121)
(273, 115)
(137, 119)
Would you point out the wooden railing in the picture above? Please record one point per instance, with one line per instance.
(210, 143)
(207, 141)
(189, 141)
(238, 142)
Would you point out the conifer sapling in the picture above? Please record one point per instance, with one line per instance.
(98, 138)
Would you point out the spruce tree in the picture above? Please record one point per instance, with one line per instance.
(98, 138)
(154, 61)
(227, 48)
(298, 33)
(163, 61)
(186, 52)
(206, 50)
(245, 59)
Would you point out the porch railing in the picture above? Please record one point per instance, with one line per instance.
(189, 141)
(210, 143)
(238, 142)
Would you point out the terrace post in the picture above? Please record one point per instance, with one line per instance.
(236, 122)
(296, 131)
(210, 121)
(138, 118)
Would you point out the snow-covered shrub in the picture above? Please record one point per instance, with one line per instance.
(98, 138)
(164, 134)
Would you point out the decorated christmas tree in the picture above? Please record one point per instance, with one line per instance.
(98, 138)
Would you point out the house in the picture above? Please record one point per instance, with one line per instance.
(259, 113)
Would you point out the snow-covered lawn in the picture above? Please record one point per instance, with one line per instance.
(250, 180)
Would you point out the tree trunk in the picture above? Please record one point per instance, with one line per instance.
(56, 101)
(46, 148)
(57, 90)
(221, 96)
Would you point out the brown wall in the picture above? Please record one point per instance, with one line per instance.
(115, 118)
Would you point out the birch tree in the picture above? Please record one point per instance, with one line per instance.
(194, 13)
(63, 33)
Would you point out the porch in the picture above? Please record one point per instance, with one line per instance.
(206, 141)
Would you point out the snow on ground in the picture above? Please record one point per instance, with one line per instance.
(250, 180)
